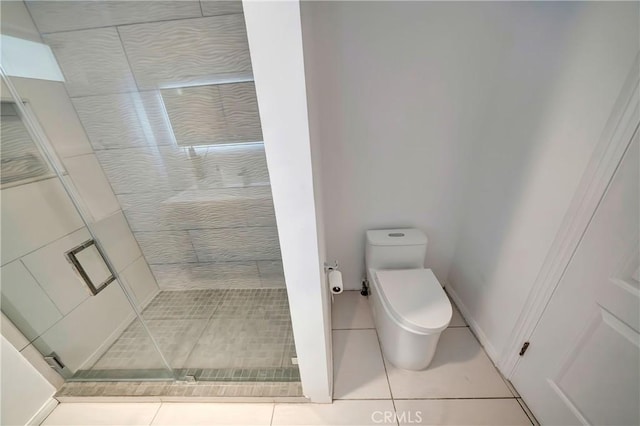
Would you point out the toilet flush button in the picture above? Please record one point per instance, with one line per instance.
(396, 234)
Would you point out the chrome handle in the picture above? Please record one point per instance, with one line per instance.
(73, 256)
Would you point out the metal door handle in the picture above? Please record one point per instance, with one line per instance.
(72, 256)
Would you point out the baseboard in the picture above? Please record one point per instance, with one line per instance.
(43, 412)
(482, 338)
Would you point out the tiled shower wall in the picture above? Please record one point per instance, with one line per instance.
(164, 91)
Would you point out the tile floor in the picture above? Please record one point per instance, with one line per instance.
(461, 387)
(220, 334)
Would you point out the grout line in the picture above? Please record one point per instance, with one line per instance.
(42, 289)
(128, 24)
(527, 411)
(206, 326)
(273, 410)
(386, 374)
(49, 243)
(509, 385)
(158, 89)
(156, 413)
(75, 307)
(456, 398)
(427, 398)
(126, 57)
(345, 329)
(203, 229)
(364, 399)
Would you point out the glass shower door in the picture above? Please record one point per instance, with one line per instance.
(73, 277)
(152, 110)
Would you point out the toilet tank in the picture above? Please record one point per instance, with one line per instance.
(395, 249)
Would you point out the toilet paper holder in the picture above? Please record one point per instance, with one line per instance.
(330, 266)
(334, 278)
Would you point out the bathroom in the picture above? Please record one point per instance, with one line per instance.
(493, 128)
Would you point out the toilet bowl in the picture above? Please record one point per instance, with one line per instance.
(410, 308)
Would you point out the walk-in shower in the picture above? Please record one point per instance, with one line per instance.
(139, 240)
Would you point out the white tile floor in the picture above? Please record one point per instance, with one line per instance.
(460, 387)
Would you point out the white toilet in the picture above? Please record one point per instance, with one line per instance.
(410, 308)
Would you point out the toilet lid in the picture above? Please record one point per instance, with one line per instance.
(415, 298)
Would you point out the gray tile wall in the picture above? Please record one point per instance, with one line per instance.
(202, 115)
(93, 61)
(165, 93)
(188, 51)
(76, 15)
(124, 120)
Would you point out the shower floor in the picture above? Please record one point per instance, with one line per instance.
(238, 335)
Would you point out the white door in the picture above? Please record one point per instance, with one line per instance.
(582, 366)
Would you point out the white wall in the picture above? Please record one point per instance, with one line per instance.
(315, 133)
(23, 390)
(275, 42)
(472, 121)
(399, 87)
(547, 115)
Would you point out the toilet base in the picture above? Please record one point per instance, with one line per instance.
(404, 348)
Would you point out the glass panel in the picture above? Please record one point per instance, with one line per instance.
(130, 356)
(163, 143)
(42, 294)
(21, 159)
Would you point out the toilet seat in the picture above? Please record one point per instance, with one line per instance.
(415, 299)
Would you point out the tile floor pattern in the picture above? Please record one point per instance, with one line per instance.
(235, 334)
(461, 387)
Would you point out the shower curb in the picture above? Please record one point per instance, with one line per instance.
(205, 391)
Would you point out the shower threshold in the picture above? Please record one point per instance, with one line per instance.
(277, 374)
(177, 391)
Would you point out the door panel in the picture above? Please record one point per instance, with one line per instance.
(582, 366)
(43, 218)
